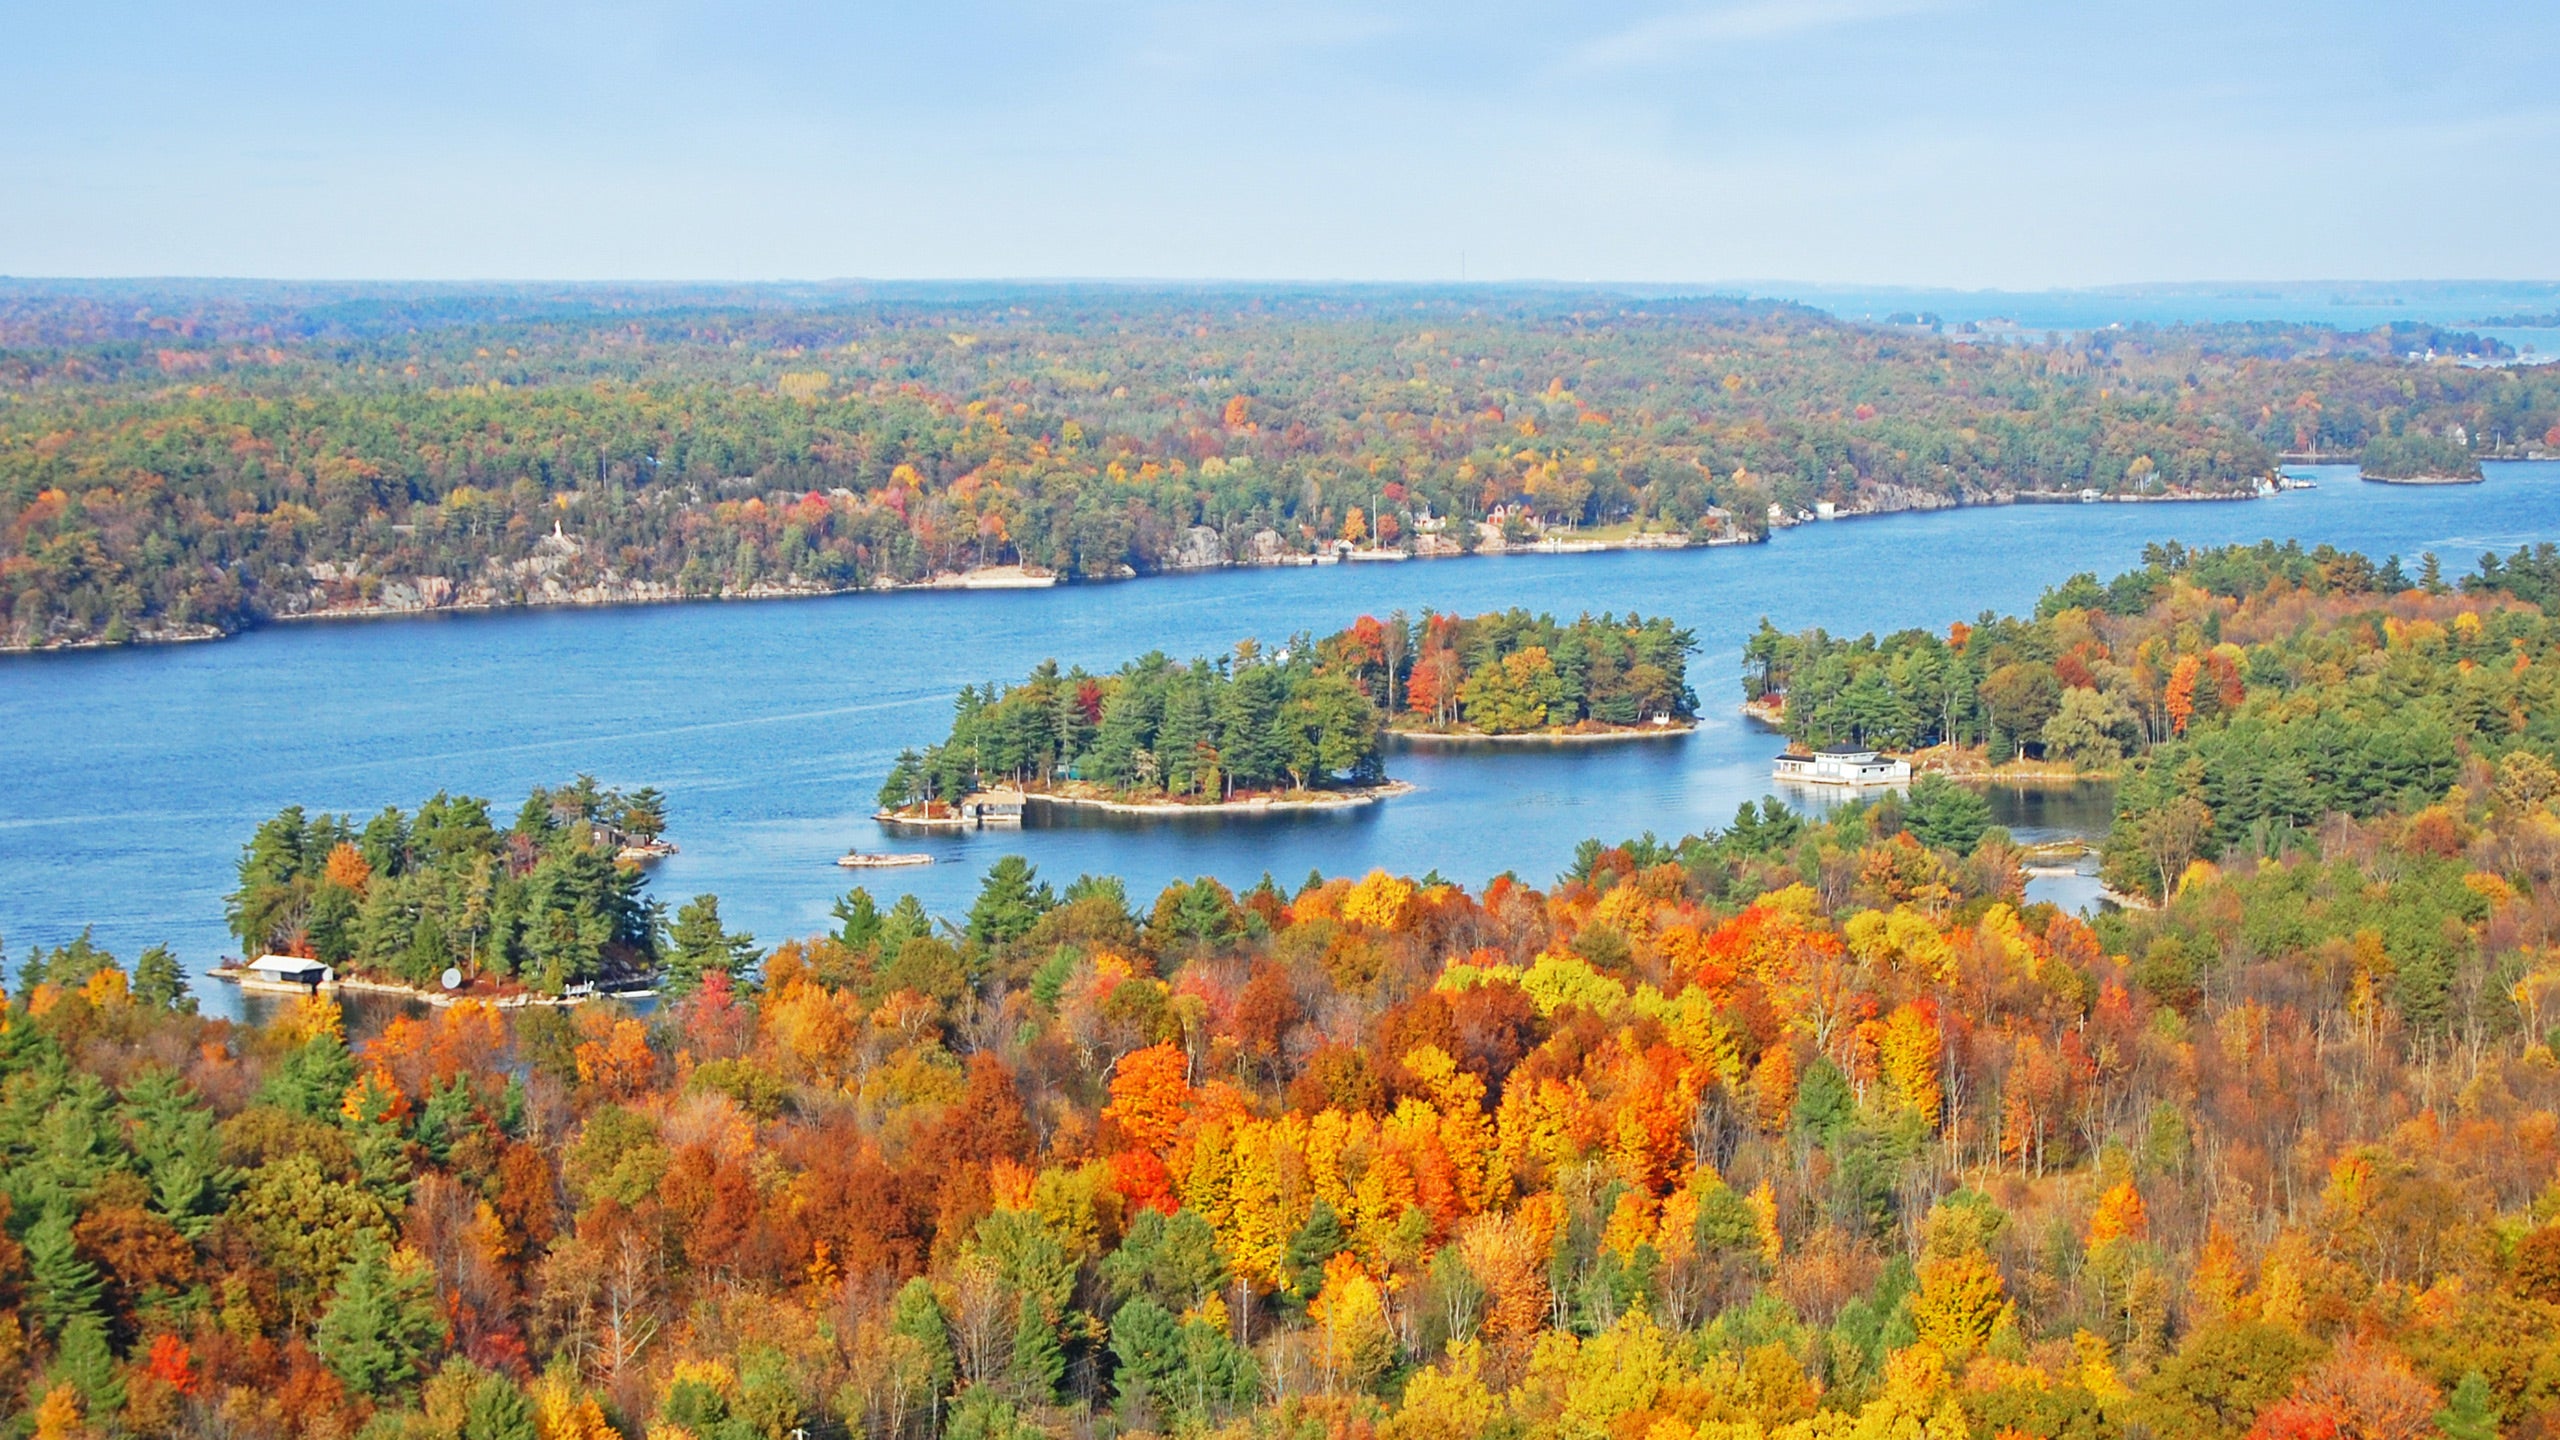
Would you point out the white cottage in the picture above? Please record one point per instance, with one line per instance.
(1854, 768)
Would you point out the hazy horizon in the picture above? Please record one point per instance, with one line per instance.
(1961, 144)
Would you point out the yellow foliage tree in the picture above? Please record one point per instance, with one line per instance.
(1378, 901)
(560, 1412)
(1448, 1402)
(58, 1414)
(1961, 1297)
(1909, 1052)
(1350, 1315)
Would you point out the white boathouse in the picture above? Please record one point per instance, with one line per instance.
(1853, 768)
(287, 972)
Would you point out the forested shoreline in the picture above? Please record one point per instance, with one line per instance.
(190, 463)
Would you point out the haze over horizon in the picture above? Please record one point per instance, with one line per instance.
(1918, 143)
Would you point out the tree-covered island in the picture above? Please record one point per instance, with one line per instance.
(2416, 458)
(1301, 724)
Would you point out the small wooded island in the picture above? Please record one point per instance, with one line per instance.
(1297, 727)
(2418, 459)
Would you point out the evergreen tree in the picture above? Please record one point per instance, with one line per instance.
(1147, 1341)
(1010, 902)
(643, 814)
(917, 1315)
(1038, 1362)
(907, 784)
(1945, 814)
(1180, 744)
(84, 1361)
(982, 1414)
(312, 1079)
(496, 1410)
(159, 983)
(857, 920)
(1317, 1241)
(172, 1135)
(2470, 1413)
(383, 1322)
(64, 1287)
(700, 945)
(905, 921)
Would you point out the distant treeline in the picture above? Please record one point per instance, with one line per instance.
(200, 461)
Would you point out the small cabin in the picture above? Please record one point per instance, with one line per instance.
(1841, 767)
(296, 971)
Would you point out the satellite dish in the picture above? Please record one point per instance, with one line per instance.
(452, 978)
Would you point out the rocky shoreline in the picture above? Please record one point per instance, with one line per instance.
(1304, 800)
(1457, 738)
(365, 985)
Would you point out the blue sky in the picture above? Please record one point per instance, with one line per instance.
(1920, 142)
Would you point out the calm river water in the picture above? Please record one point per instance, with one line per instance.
(129, 780)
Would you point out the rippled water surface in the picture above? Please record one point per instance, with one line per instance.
(129, 780)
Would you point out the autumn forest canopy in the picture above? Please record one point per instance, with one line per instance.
(1799, 1129)
(195, 459)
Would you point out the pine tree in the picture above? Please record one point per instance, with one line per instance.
(1317, 1241)
(1179, 741)
(2469, 1413)
(84, 1361)
(1037, 1359)
(496, 1410)
(917, 1315)
(159, 983)
(701, 945)
(908, 784)
(65, 1286)
(1009, 903)
(1148, 1343)
(382, 1322)
(172, 1135)
(857, 919)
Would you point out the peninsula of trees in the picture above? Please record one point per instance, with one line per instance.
(2245, 693)
(192, 460)
(549, 902)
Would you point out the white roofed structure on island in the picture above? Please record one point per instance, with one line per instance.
(1841, 766)
(291, 970)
